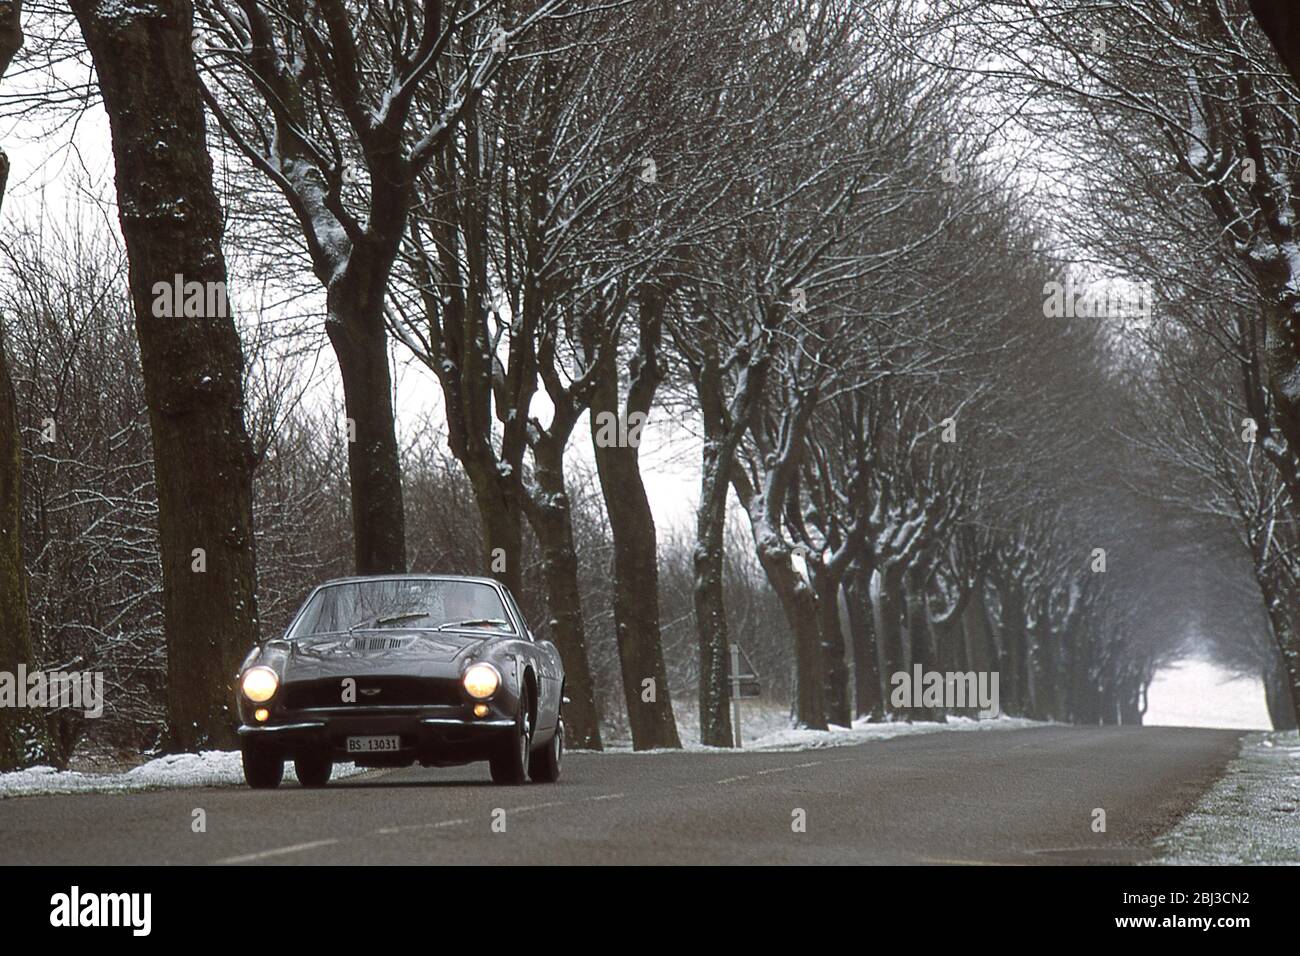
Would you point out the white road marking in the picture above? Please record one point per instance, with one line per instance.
(535, 806)
(759, 773)
(389, 831)
(441, 824)
(279, 851)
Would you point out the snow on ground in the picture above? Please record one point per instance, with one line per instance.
(211, 768)
(1252, 815)
(766, 727)
(861, 731)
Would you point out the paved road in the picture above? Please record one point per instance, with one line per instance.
(1024, 796)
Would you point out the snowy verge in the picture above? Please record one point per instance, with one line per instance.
(1251, 815)
(785, 738)
(862, 731)
(211, 768)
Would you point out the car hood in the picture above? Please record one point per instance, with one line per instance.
(387, 651)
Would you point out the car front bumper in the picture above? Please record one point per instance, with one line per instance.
(428, 735)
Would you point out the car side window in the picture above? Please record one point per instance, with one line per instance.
(519, 615)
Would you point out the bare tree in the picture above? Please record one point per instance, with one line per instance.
(502, 304)
(343, 110)
(15, 642)
(90, 510)
(172, 224)
(1207, 460)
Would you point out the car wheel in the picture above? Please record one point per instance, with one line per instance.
(262, 771)
(509, 764)
(313, 770)
(544, 767)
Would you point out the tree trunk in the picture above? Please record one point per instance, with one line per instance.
(721, 438)
(801, 615)
(886, 603)
(1047, 684)
(15, 638)
(981, 649)
(920, 648)
(949, 642)
(711, 619)
(867, 701)
(1277, 695)
(1130, 709)
(501, 516)
(962, 661)
(356, 331)
(551, 520)
(1085, 708)
(942, 634)
(1108, 702)
(833, 660)
(1070, 654)
(1285, 637)
(1012, 660)
(1280, 22)
(636, 600)
(464, 363)
(635, 545)
(192, 366)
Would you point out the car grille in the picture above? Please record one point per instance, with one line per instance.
(392, 692)
(378, 643)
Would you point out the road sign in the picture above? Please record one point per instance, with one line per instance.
(742, 679)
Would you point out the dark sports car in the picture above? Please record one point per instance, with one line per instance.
(403, 669)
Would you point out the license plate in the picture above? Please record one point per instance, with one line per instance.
(372, 745)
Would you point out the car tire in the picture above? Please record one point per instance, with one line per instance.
(509, 765)
(544, 765)
(313, 770)
(262, 771)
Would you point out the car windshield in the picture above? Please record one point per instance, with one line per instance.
(402, 603)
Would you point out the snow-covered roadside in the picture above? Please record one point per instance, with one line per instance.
(767, 728)
(861, 731)
(1252, 815)
(211, 768)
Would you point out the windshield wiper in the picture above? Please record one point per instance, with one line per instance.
(381, 621)
(474, 622)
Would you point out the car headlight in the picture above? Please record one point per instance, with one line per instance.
(481, 681)
(260, 684)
